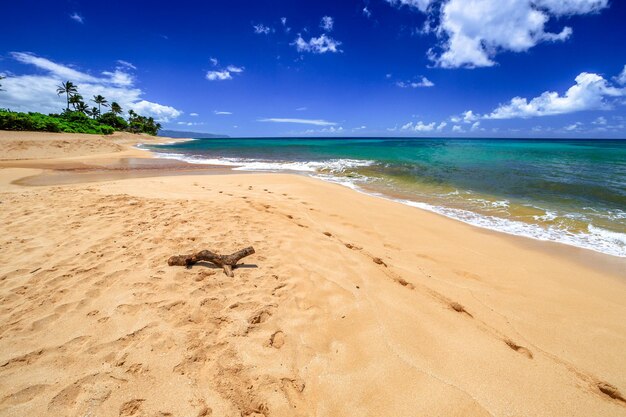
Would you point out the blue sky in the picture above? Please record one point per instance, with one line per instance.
(501, 68)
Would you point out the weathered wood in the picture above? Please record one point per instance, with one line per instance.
(226, 262)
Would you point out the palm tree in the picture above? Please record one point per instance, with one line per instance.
(116, 108)
(94, 112)
(82, 107)
(100, 101)
(75, 100)
(68, 88)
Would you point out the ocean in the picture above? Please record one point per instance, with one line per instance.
(567, 191)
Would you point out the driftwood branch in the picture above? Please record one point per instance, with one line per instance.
(226, 262)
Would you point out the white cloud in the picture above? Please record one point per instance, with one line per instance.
(441, 126)
(301, 109)
(222, 113)
(469, 117)
(591, 92)
(316, 122)
(218, 75)
(457, 129)
(261, 29)
(283, 21)
(319, 45)
(120, 77)
(621, 78)
(194, 114)
(599, 121)
(76, 17)
(423, 82)
(475, 126)
(126, 64)
(214, 61)
(58, 70)
(37, 92)
(190, 123)
(327, 23)
(472, 32)
(232, 68)
(367, 12)
(571, 7)
(156, 110)
(331, 129)
(223, 74)
(572, 127)
(419, 127)
(421, 5)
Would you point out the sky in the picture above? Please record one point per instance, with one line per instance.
(426, 68)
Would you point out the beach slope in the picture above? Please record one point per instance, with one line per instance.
(351, 305)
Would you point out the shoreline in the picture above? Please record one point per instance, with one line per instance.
(129, 163)
(346, 293)
(485, 221)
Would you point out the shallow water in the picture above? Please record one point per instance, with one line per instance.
(569, 191)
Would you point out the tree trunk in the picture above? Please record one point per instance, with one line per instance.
(226, 262)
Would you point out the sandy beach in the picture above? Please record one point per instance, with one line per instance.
(351, 305)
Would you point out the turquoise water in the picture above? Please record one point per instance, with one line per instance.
(569, 191)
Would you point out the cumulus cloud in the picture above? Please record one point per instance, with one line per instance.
(224, 73)
(37, 92)
(591, 92)
(327, 23)
(469, 117)
(423, 82)
(421, 5)
(76, 17)
(218, 75)
(457, 129)
(316, 122)
(320, 45)
(331, 129)
(261, 29)
(419, 127)
(441, 126)
(472, 32)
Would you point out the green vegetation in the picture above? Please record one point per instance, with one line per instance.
(80, 118)
(68, 121)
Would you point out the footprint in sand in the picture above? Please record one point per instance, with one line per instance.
(459, 308)
(277, 340)
(131, 407)
(518, 348)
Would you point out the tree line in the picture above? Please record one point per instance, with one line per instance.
(135, 123)
(81, 117)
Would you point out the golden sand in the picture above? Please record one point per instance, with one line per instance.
(352, 305)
